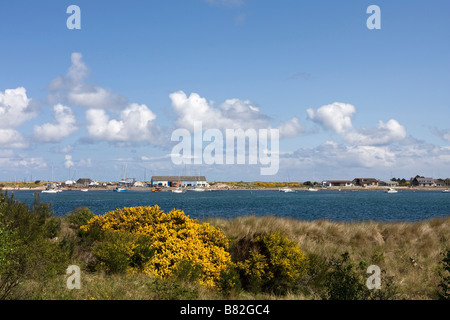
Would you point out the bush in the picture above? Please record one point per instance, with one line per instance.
(27, 251)
(116, 250)
(159, 242)
(269, 262)
(444, 285)
(343, 282)
(79, 216)
(346, 280)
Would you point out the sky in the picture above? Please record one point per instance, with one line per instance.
(348, 101)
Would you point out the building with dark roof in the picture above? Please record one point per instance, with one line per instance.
(422, 182)
(177, 181)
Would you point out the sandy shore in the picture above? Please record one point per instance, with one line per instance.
(222, 188)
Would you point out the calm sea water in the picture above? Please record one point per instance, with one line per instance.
(325, 204)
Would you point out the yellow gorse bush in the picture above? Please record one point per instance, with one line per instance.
(173, 238)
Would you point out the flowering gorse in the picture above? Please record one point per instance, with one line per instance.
(171, 239)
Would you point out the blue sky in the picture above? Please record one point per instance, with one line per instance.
(348, 101)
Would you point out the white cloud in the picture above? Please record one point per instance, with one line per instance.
(9, 160)
(291, 128)
(135, 123)
(14, 108)
(232, 114)
(10, 138)
(68, 163)
(383, 134)
(65, 125)
(338, 118)
(72, 89)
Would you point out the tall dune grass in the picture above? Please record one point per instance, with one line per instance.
(388, 245)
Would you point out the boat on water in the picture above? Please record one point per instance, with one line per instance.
(285, 189)
(119, 189)
(156, 190)
(197, 189)
(51, 191)
(178, 190)
(312, 189)
(84, 190)
(391, 190)
(446, 191)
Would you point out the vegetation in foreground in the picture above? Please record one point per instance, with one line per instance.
(145, 253)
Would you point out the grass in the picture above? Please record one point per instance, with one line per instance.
(388, 245)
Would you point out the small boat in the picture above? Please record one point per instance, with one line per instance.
(51, 191)
(119, 189)
(156, 190)
(445, 191)
(84, 190)
(391, 190)
(285, 189)
(197, 189)
(312, 189)
(178, 190)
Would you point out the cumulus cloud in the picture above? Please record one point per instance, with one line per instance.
(68, 163)
(72, 89)
(10, 138)
(338, 118)
(14, 108)
(135, 123)
(9, 160)
(65, 125)
(232, 114)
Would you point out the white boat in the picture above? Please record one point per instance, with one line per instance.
(51, 191)
(178, 190)
(390, 190)
(119, 189)
(445, 191)
(285, 189)
(84, 190)
(312, 189)
(197, 189)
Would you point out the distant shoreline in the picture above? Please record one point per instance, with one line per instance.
(230, 188)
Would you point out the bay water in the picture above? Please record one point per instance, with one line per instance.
(332, 205)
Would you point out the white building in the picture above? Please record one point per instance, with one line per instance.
(176, 181)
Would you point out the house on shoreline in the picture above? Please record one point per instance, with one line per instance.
(390, 184)
(179, 181)
(422, 182)
(337, 183)
(365, 182)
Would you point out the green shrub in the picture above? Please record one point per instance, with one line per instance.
(229, 281)
(444, 285)
(343, 282)
(270, 263)
(122, 251)
(346, 280)
(79, 216)
(28, 251)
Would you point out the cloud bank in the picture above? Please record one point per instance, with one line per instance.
(337, 117)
